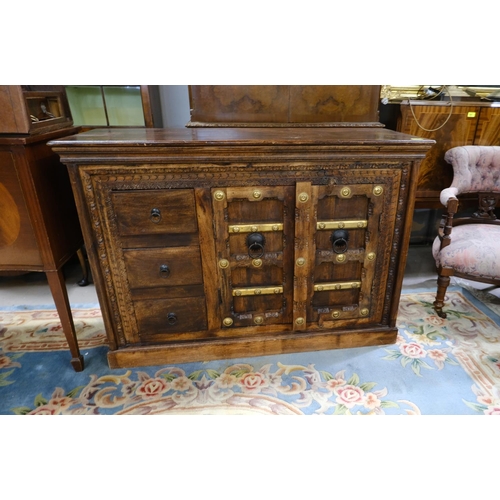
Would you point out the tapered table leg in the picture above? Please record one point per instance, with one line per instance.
(60, 295)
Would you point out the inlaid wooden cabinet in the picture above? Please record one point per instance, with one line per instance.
(450, 125)
(214, 243)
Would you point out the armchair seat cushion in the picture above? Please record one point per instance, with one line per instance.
(474, 250)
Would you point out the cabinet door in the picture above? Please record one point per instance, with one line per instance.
(343, 235)
(18, 245)
(254, 249)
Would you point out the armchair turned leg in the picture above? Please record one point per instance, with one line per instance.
(443, 282)
(59, 293)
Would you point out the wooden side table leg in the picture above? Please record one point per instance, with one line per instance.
(60, 295)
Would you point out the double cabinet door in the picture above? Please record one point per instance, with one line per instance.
(194, 263)
(303, 256)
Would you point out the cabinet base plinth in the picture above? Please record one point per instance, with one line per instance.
(186, 352)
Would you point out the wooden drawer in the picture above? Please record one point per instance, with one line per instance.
(155, 212)
(156, 318)
(163, 267)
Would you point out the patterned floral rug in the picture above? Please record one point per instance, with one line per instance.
(437, 367)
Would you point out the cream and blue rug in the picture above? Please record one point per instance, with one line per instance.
(437, 367)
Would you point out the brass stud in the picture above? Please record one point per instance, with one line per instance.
(336, 314)
(258, 291)
(299, 321)
(277, 290)
(300, 261)
(364, 312)
(227, 321)
(319, 288)
(371, 256)
(340, 225)
(355, 284)
(237, 293)
(322, 225)
(378, 190)
(236, 229)
(219, 195)
(256, 194)
(345, 192)
(255, 229)
(303, 197)
(223, 263)
(275, 227)
(341, 258)
(258, 320)
(257, 262)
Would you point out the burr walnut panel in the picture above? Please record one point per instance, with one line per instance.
(240, 242)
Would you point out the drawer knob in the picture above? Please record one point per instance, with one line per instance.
(164, 271)
(155, 215)
(171, 319)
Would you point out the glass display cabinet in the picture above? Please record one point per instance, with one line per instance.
(114, 105)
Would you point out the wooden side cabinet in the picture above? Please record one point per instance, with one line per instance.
(39, 227)
(460, 124)
(221, 243)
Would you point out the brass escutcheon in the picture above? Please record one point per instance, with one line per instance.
(341, 258)
(257, 262)
(257, 194)
(364, 312)
(227, 321)
(303, 197)
(300, 261)
(378, 190)
(258, 320)
(299, 321)
(371, 256)
(219, 195)
(336, 314)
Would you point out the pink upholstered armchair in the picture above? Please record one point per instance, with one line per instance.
(469, 247)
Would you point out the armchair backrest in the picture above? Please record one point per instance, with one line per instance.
(475, 169)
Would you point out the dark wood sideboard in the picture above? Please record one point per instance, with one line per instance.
(210, 243)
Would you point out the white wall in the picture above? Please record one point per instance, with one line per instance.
(174, 105)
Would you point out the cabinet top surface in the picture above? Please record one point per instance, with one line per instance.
(139, 137)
